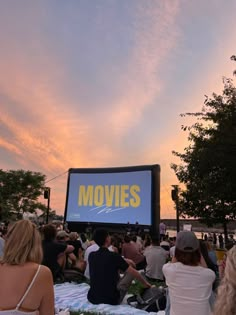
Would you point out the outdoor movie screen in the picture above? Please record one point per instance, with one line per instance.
(110, 197)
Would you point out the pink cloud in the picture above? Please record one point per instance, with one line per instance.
(56, 136)
(156, 35)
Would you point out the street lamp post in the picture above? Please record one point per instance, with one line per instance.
(47, 192)
(175, 198)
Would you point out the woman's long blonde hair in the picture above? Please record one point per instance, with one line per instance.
(23, 244)
(226, 293)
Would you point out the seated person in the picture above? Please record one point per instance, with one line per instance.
(84, 241)
(206, 257)
(105, 283)
(54, 253)
(147, 241)
(156, 257)
(137, 244)
(26, 286)
(211, 253)
(73, 240)
(113, 247)
(165, 244)
(189, 284)
(92, 248)
(78, 251)
(63, 237)
(130, 251)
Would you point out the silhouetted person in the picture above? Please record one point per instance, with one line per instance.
(221, 241)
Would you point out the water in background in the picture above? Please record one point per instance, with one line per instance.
(172, 233)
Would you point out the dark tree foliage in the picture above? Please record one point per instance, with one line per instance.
(208, 167)
(20, 191)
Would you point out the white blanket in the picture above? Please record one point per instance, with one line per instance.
(74, 297)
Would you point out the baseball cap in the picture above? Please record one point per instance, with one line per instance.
(187, 241)
(62, 234)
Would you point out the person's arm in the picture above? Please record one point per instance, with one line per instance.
(138, 276)
(69, 249)
(173, 260)
(80, 254)
(203, 262)
(72, 258)
(47, 303)
(123, 251)
(130, 262)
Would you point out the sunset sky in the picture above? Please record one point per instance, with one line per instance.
(99, 83)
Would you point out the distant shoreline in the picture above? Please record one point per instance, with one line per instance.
(199, 227)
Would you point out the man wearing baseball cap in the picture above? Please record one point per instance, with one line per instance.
(189, 283)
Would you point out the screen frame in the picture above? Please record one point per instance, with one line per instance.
(155, 193)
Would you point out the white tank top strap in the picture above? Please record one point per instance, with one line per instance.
(28, 289)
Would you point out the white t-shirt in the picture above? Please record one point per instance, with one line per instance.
(162, 228)
(190, 288)
(156, 258)
(90, 249)
(172, 251)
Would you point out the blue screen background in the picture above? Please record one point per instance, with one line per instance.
(141, 214)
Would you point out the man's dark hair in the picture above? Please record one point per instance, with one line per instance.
(155, 240)
(186, 258)
(100, 236)
(49, 232)
(134, 238)
(126, 238)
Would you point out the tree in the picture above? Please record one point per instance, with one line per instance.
(208, 167)
(20, 191)
(234, 59)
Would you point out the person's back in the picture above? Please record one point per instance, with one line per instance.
(51, 250)
(54, 252)
(189, 284)
(104, 267)
(156, 258)
(104, 276)
(26, 286)
(130, 251)
(190, 288)
(15, 280)
(106, 286)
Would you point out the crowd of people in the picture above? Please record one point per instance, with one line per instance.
(33, 258)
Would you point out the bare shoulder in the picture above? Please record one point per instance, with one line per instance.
(45, 273)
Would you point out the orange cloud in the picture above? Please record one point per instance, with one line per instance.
(10, 147)
(50, 134)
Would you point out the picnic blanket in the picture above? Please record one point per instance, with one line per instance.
(74, 297)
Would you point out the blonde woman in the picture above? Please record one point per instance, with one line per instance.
(226, 293)
(26, 286)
